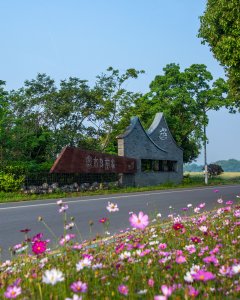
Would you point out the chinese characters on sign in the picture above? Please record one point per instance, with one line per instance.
(76, 160)
(102, 163)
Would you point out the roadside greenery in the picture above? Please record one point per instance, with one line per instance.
(190, 180)
(191, 254)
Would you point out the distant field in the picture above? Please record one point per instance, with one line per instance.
(224, 175)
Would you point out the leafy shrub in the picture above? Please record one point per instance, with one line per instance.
(24, 167)
(214, 170)
(8, 182)
(186, 179)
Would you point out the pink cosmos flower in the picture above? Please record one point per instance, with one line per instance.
(237, 213)
(167, 291)
(79, 287)
(160, 297)
(162, 246)
(123, 289)
(201, 219)
(202, 205)
(63, 208)
(151, 282)
(216, 191)
(12, 291)
(211, 259)
(66, 239)
(202, 275)
(141, 221)
(180, 259)
(39, 247)
(229, 202)
(190, 248)
(192, 292)
(224, 270)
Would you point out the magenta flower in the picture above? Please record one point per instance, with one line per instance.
(140, 221)
(103, 220)
(196, 239)
(79, 287)
(202, 275)
(12, 291)
(39, 247)
(216, 191)
(229, 202)
(119, 248)
(37, 237)
(123, 289)
(178, 226)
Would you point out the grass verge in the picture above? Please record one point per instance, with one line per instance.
(192, 180)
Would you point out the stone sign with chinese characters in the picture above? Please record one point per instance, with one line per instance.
(76, 160)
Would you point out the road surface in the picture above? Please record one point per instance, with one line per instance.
(21, 215)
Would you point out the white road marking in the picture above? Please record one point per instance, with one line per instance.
(117, 197)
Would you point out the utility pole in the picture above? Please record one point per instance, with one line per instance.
(205, 155)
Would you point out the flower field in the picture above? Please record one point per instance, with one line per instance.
(193, 254)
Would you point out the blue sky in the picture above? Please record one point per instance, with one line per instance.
(83, 38)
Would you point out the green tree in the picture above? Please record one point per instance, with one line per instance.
(4, 122)
(184, 98)
(58, 115)
(220, 28)
(114, 101)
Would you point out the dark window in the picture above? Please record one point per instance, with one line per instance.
(148, 165)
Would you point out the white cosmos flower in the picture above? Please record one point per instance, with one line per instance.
(52, 276)
(75, 297)
(236, 269)
(142, 292)
(86, 262)
(194, 269)
(203, 228)
(124, 255)
(197, 210)
(112, 207)
(97, 266)
(188, 277)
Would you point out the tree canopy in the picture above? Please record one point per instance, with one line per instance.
(220, 28)
(184, 97)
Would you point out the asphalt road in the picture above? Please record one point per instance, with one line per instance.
(21, 215)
